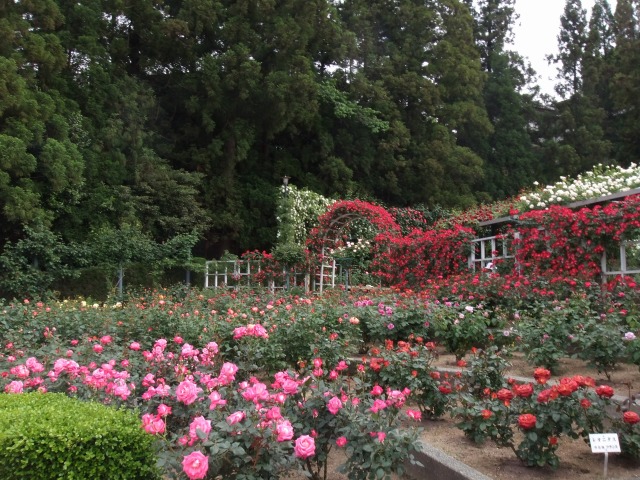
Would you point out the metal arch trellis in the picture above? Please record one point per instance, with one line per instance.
(337, 226)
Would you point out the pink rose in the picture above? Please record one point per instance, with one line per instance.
(334, 405)
(14, 387)
(284, 430)
(227, 373)
(341, 441)
(20, 371)
(274, 413)
(290, 386)
(152, 424)
(164, 410)
(33, 365)
(378, 405)
(377, 390)
(236, 417)
(97, 348)
(216, 399)
(134, 346)
(195, 465)
(199, 423)
(414, 414)
(305, 447)
(187, 392)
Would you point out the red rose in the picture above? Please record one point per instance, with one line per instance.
(525, 390)
(541, 375)
(564, 390)
(585, 403)
(571, 383)
(445, 388)
(605, 391)
(584, 381)
(504, 394)
(631, 418)
(544, 396)
(486, 414)
(527, 421)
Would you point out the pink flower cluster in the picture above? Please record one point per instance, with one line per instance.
(251, 330)
(191, 377)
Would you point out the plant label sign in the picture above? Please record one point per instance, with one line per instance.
(604, 443)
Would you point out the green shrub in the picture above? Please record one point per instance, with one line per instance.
(51, 436)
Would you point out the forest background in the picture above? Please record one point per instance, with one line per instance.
(132, 125)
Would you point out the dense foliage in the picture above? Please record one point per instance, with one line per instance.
(163, 119)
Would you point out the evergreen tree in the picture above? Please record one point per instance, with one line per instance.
(625, 86)
(41, 168)
(508, 150)
(578, 129)
(457, 68)
(572, 41)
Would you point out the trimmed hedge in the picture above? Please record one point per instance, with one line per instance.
(52, 436)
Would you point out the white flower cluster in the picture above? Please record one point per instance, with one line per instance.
(599, 182)
(306, 207)
(352, 249)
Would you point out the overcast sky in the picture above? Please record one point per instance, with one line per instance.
(536, 34)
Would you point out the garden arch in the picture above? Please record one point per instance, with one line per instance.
(332, 225)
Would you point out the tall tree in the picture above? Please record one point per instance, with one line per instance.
(572, 41)
(626, 81)
(494, 21)
(579, 141)
(41, 169)
(417, 65)
(456, 66)
(509, 161)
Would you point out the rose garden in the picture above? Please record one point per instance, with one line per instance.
(249, 382)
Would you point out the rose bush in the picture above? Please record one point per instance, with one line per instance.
(210, 415)
(543, 413)
(407, 367)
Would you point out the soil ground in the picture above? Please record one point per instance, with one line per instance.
(576, 460)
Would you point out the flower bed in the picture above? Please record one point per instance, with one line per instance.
(249, 386)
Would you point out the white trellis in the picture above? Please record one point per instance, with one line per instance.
(234, 274)
(485, 252)
(620, 260)
(623, 260)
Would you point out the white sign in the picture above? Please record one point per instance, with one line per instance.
(604, 442)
